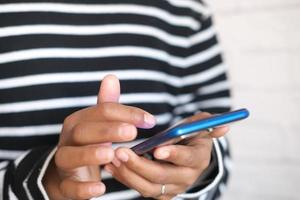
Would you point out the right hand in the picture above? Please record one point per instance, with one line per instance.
(85, 144)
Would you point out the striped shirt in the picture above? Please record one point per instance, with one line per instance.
(54, 53)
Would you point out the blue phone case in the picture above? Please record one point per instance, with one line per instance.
(182, 131)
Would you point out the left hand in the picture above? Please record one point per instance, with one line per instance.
(181, 166)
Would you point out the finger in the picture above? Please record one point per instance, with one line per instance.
(69, 157)
(100, 132)
(127, 114)
(198, 116)
(219, 131)
(81, 190)
(153, 171)
(145, 187)
(132, 180)
(109, 89)
(205, 137)
(183, 155)
(112, 112)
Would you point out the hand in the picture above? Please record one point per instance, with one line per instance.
(85, 144)
(178, 169)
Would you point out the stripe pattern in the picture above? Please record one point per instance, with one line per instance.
(165, 53)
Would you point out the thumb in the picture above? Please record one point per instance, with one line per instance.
(109, 89)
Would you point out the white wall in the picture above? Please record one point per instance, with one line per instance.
(261, 39)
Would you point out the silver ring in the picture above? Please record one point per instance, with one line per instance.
(163, 189)
(210, 130)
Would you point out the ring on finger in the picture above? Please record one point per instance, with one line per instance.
(210, 130)
(163, 189)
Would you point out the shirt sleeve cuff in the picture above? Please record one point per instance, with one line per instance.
(43, 171)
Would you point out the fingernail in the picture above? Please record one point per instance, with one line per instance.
(149, 120)
(123, 156)
(97, 189)
(116, 162)
(164, 154)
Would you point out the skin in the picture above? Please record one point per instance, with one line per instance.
(85, 144)
(181, 166)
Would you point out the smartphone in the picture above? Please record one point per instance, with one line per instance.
(180, 132)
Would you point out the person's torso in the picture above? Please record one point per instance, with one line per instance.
(54, 54)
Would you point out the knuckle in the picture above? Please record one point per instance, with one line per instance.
(78, 132)
(68, 121)
(58, 158)
(105, 109)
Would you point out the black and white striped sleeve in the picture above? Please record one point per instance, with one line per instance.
(22, 178)
(214, 99)
(208, 90)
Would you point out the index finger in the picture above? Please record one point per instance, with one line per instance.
(102, 132)
(113, 112)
